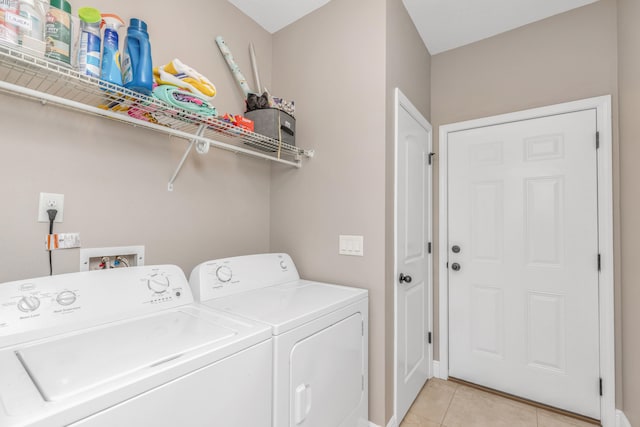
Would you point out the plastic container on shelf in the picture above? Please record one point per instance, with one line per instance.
(137, 68)
(58, 31)
(31, 31)
(111, 68)
(89, 54)
(9, 15)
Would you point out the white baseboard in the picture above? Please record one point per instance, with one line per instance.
(621, 419)
(392, 422)
(436, 368)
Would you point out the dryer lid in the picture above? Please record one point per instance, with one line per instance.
(289, 305)
(65, 367)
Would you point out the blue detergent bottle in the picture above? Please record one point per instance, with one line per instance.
(137, 68)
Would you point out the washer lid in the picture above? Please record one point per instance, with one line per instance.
(289, 305)
(64, 367)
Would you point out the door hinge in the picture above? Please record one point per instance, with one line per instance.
(599, 263)
(597, 140)
(601, 387)
(430, 156)
(429, 337)
(429, 247)
(447, 265)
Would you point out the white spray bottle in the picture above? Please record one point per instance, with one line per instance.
(111, 67)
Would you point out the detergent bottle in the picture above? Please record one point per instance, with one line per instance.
(137, 69)
(89, 55)
(111, 69)
(57, 31)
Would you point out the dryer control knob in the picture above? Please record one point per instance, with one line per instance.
(224, 273)
(158, 283)
(66, 298)
(28, 304)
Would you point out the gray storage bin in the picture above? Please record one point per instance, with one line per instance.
(265, 122)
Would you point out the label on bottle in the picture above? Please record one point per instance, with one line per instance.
(33, 27)
(19, 21)
(111, 67)
(127, 70)
(82, 53)
(58, 35)
(93, 55)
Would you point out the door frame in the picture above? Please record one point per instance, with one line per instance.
(602, 105)
(401, 101)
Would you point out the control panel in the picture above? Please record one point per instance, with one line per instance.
(228, 276)
(93, 297)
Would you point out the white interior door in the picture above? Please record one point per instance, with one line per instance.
(413, 259)
(523, 259)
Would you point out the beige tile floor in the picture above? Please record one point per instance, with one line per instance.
(447, 404)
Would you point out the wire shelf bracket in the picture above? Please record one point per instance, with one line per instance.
(184, 157)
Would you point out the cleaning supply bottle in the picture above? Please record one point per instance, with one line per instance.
(58, 31)
(111, 69)
(34, 13)
(8, 30)
(89, 55)
(137, 68)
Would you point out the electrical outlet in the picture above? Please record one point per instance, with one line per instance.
(50, 201)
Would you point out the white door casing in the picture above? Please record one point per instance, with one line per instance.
(539, 294)
(413, 219)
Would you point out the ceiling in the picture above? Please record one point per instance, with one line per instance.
(274, 15)
(442, 24)
(447, 24)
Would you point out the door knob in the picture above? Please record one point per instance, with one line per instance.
(455, 266)
(455, 249)
(403, 278)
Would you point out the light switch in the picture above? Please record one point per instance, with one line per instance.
(351, 245)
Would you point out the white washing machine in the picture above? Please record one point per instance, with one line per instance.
(320, 335)
(127, 347)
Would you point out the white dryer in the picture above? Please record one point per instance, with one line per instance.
(320, 334)
(128, 348)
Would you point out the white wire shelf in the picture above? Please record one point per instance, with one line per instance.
(29, 76)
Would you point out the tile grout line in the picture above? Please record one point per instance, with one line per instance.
(449, 406)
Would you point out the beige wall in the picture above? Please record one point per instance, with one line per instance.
(332, 63)
(563, 58)
(114, 177)
(341, 72)
(629, 85)
(408, 68)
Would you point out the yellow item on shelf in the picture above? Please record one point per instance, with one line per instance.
(176, 73)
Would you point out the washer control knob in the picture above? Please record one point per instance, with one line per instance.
(28, 304)
(224, 273)
(158, 283)
(66, 298)
(283, 265)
